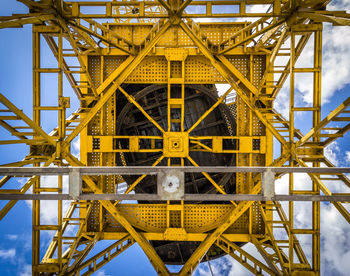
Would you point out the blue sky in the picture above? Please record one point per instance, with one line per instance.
(16, 84)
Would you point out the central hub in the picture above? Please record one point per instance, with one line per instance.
(175, 144)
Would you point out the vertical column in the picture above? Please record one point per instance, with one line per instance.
(315, 121)
(291, 142)
(36, 184)
(250, 155)
(103, 159)
(176, 101)
(316, 118)
(269, 154)
(61, 134)
(83, 135)
(176, 58)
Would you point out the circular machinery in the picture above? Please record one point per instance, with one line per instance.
(168, 112)
(178, 132)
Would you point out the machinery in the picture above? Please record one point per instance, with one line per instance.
(168, 159)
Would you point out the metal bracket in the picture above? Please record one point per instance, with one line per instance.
(171, 184)
(75, 183)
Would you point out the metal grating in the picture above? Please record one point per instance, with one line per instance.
(176, 36)
(110, 63)
(151, 70)
(198, 218)
(94, 66)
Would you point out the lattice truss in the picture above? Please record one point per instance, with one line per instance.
(109, 51)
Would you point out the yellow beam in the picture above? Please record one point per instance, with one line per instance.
(208, 242)
(250, 32)
(157, 263)
(338, 205)
(17, 22)
(207, 176)
(223, 71)
(324, 122)
(117, 82)
(208, 111)
(26, 119)
(99, 260)
(241, 79)
(25, 188)
(338, 19)
(232, 249)
(132, 100)
(189, 237)
(139, 179)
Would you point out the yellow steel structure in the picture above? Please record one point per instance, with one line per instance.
(161, 42)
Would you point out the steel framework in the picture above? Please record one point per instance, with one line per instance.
(162, 43)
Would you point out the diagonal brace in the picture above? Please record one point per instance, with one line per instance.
(119, 79)
(154, 258)
(26, 119)
(227, 76)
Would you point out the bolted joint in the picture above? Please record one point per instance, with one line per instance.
(171, 184)
(268, 184)
(175, 20)
(64, 102)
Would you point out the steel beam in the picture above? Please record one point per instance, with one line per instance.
(227, 76)
(136, 170)
(187, 197)
(152, 255)
(199, 253)
(27, 120)
(119, 79)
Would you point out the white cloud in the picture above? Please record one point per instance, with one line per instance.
(339, 5)
(222, 89)
(227, 265)
(335, 231)
(76, 147)
(335, 242)
(26, 270)
(331, 152)
(8, 254)
(49, 208)
(223, 266)
(254, 9)
(101, 273)
(281, 103)
(335, 66)
(12, 237)
(347, 156)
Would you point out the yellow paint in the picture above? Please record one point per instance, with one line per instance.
(174, 50)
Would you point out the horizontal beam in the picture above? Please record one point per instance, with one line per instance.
(110, 143)
(136, 170)
(238, 8)
(186, 197)
(156, 236)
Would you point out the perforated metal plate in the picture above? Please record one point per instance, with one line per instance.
(198, 70)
